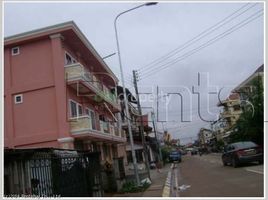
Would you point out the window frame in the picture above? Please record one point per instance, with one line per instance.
(73, 60)
(12, 51)
(93, 121)
(15, 98)
(78, 114)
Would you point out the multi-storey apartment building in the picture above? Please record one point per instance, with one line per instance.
(205, 136)
(58, 93)
(234, 105)
(231, 111)
(246, 88)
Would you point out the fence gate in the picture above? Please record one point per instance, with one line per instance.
(57, 173)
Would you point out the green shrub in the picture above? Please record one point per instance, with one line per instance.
(131, 187)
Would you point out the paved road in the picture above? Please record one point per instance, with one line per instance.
(207, 177)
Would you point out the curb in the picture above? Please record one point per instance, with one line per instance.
(166, 189)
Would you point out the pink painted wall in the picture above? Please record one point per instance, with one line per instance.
(54, 144)
(36, 115)
(32, 65)
(37, 73)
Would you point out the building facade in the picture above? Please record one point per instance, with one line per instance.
(59, 93)
(205, 136)
(246, 88)
(231, 111)
(235, 104)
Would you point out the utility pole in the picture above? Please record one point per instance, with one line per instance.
(141, 127)
(155, 132)
(157, 103)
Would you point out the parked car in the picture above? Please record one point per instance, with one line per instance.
(174, 156)
(242, 152)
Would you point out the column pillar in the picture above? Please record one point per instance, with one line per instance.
(66, 143)
(9, 135)
(88, 145)
(60, 90)
(110, 152)
(101, 151)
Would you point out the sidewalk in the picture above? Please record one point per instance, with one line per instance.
(156, 188)
(158, 181)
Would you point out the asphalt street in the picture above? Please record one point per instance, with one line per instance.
(205, 176)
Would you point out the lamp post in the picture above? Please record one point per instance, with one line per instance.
(124, 89)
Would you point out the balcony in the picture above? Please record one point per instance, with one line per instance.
(87, 84)
(82, 127)
(228, 114)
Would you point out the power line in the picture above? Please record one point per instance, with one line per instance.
(197, 37)
(206, 44)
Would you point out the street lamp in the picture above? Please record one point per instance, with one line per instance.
(124, 89)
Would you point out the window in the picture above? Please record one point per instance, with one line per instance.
(69, 59)
(80, 110)
(76, 109)
(18, 98)
(15, 51)
(92, 118)
(102, 118)
(73, 109)
(236, 107)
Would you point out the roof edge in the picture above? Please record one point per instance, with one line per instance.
(39, 30)
(71, 24)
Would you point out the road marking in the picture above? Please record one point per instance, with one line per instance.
(166, 190)
(176, 183)
(255, 171)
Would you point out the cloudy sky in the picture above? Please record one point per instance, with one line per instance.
(170, 44)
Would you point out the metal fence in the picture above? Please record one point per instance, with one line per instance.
(50, 173)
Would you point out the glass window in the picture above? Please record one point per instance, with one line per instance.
(243, 145)
(15, 51)
(91, 115)
(73, 109)
(80, 110)
(69, 59)
(18, 98)
(93, 120)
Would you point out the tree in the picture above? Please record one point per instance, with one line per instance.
(251, 122)
(219, 145)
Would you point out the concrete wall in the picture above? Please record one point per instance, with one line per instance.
(38, 74)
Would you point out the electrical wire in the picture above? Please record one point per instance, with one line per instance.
(197, 37)
(206, 44)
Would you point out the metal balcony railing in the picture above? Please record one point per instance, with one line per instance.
(76, 72)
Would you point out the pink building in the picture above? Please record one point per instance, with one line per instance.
(57, 93)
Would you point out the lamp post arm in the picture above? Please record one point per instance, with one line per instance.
(126, 12)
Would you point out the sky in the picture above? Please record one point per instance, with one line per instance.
(188, 50)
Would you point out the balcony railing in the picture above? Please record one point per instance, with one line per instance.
(234, 113)
(83, 124)
(104, 127)
(76, 72)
